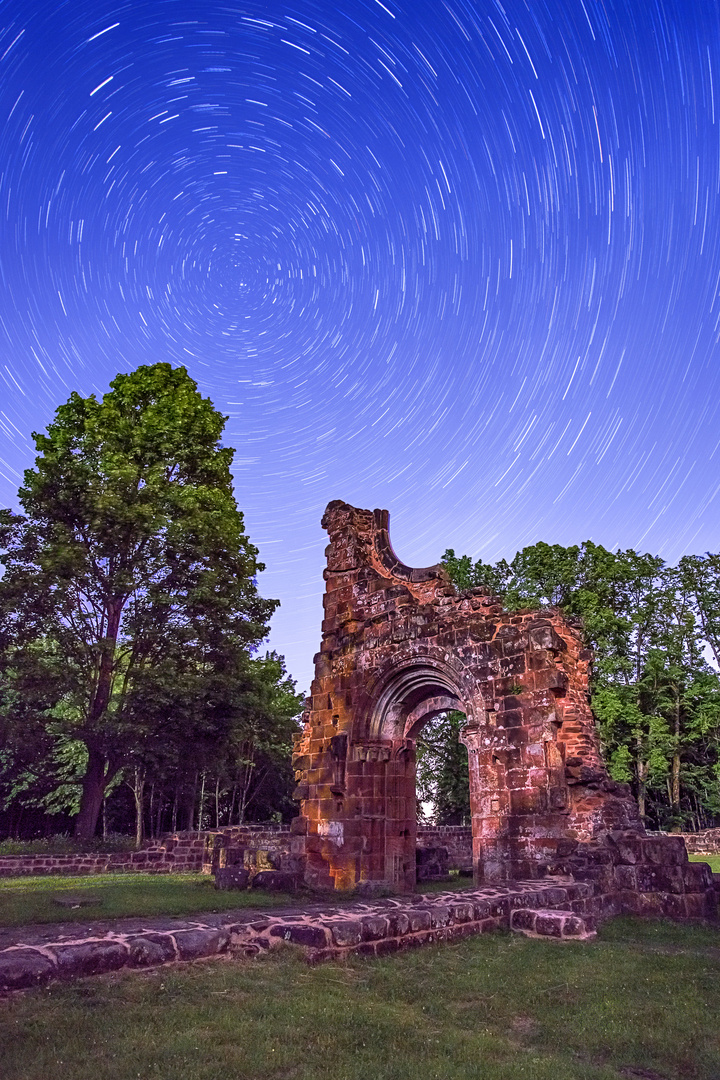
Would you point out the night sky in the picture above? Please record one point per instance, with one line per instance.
(456, 259)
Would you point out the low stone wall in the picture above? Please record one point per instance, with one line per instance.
(256, 847)
(456, 838)
(174, 853)
(180, 853)
(548, 908)
(275, 847)
(637, 874)
(706, 842)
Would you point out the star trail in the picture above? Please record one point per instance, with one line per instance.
(457, 259)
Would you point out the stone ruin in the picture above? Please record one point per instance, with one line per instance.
(402, 645)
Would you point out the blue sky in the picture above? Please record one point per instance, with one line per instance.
(459, 260)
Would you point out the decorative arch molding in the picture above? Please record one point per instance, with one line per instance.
(400, 645)
(426, 711)
(408, 679)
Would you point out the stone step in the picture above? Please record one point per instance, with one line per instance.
(551, 923)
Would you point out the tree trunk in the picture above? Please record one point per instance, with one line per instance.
(138, 793)
(641, 777)
(245, 782)
(98, 776)
(675, 795)
(189, 815)
(94, 783)
(202, 800)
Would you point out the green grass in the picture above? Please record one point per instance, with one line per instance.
(29, 900)
(640, 1001)
(712, 860)
(25, 901)
(456, 884)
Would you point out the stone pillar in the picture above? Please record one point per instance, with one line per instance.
(401, 816)
(489, 804)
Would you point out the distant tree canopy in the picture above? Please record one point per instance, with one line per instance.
(655, 632)
(443, 781)
(129, 613)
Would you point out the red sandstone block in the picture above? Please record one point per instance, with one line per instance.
(625, 877)
(660, 878)
(366, 948)
(523, 919)
(548, 924)
(695, 905)
(388, 945)
(697, 876)
(462, 913)
(418, 920)
(511, 718)
(674, 906)
(528, 801)
(664, 850)
(373, 927)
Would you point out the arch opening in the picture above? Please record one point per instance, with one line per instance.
(407, 700)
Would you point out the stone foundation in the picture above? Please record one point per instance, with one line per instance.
(558, 908)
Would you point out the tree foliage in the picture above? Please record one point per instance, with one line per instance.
(655, 632)
(129, 610)
(443, 784)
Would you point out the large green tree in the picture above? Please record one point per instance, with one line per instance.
(652, 629)
(128, 603)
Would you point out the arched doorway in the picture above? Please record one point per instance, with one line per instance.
(405, 697)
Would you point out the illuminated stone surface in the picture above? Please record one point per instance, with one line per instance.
(401, 645)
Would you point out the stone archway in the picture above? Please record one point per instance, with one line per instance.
(400, 645)
(407, 692)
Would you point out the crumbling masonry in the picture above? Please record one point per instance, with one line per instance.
(401, 645)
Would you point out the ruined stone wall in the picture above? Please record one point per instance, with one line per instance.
(456, 839)
(706, 842)
(400, 645)
(173, 853)
(177, 853)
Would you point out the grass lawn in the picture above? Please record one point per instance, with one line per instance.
(642, 1001)
(24, 901)
(29, 900)
(713, 860)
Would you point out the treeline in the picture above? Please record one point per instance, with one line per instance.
(133, 696)
(655, 633)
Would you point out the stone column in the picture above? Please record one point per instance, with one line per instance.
(488, 801)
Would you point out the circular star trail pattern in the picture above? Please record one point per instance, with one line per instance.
(457, 259)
